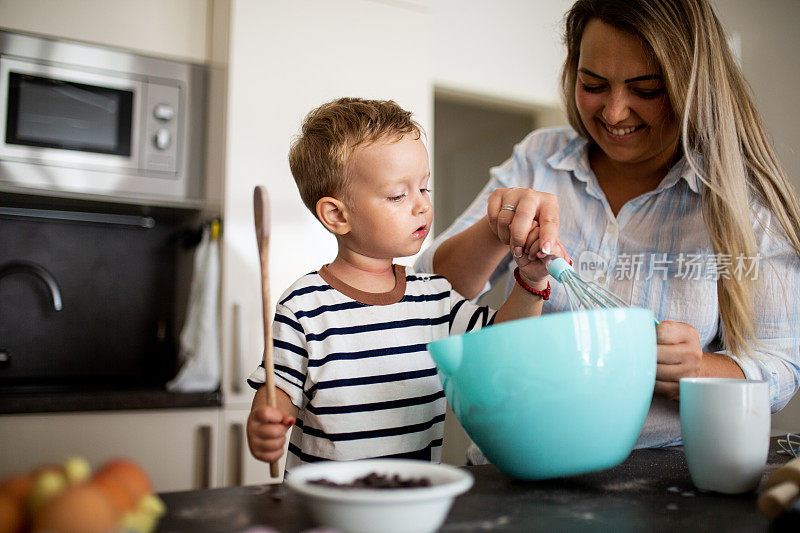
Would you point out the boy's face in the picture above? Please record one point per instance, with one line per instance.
(390, 205)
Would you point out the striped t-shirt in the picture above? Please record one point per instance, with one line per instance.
(355, 365)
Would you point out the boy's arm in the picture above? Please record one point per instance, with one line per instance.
(520, 303)
(283, 403)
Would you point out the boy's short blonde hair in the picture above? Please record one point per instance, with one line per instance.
(330, 133)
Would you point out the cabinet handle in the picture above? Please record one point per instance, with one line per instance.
(237, 454)
(236, 363)
(204, 456)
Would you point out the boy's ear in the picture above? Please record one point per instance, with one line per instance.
(333, 215)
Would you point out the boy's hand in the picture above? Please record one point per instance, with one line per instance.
(266, 432)
(533, 263)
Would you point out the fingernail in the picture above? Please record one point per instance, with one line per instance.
(518, 251)
(546, 247)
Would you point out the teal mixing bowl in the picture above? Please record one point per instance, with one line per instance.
(556, 395)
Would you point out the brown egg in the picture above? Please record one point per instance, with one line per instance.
(18, 486)
(126, 474)
(12, 514)
(122, 499)
(82, 508)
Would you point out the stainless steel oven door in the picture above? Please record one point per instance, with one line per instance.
(69, 118)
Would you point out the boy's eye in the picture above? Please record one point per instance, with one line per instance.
(397, 198)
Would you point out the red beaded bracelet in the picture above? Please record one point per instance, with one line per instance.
(545, 294)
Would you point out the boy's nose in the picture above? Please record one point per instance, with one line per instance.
(422, 206)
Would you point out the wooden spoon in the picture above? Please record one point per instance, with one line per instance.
(261, 212)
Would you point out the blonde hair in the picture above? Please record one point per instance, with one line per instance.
(329, 135)
(722, 136)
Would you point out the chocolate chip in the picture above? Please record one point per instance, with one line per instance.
(374, 480)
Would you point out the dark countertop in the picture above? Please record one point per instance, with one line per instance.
(104, 400)
(650, 491)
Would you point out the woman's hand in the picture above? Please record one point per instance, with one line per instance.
(533, 267)
(679, 355)
(531, 209)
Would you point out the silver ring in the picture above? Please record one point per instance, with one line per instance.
(508, 207)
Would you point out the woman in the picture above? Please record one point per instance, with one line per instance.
(668, 192)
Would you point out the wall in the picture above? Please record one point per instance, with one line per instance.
(508, 49)
(770, 60)
(175, 28)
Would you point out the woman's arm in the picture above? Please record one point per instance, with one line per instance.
(680, 356)
(469, 257)
(776, 354)
(470, 251)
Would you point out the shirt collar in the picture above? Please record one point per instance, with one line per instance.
(574, 157)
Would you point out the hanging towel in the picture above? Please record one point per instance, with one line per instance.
(199, 340)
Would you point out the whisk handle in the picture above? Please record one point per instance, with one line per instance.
(558, 266)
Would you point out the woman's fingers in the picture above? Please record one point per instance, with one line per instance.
(514, 212)
(679, 355)
(667, 389)
(548, 222)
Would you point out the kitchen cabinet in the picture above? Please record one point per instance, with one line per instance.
(177, 448)
(175, 29)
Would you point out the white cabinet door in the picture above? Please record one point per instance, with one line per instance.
(237, 465)
(177, 448)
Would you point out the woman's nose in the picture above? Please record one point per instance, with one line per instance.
(615, 109)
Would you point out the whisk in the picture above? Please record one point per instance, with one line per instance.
(582, 294)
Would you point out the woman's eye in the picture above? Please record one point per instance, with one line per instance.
(425, 191)
(592, 88)
(648, 94)
(397, 198)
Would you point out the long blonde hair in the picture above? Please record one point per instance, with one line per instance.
(722, 136)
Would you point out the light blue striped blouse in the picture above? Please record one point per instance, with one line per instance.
(656, 253)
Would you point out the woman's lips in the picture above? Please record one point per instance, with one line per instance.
(620, 132)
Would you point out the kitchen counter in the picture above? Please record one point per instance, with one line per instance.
(650, 491)
(105, 400)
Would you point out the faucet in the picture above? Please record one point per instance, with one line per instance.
(29, 267)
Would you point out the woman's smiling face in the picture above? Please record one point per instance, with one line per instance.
(621, 98)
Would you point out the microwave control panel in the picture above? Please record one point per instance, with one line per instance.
(162, 110)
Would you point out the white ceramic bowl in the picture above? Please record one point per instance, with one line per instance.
(412, 510)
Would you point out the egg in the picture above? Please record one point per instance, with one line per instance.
(18, 486)
(126, 474)
(47, 484)
(120, 497)
(12, 514)
(82, 508)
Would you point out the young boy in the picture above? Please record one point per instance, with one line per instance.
(351, 369)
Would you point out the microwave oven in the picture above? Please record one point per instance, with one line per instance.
(85, 121)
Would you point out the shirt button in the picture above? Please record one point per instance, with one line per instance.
(612, 229)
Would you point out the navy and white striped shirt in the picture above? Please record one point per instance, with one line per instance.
(355, 365)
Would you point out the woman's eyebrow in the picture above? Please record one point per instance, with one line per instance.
(629, 80)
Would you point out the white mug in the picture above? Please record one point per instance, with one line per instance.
(725, 425)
